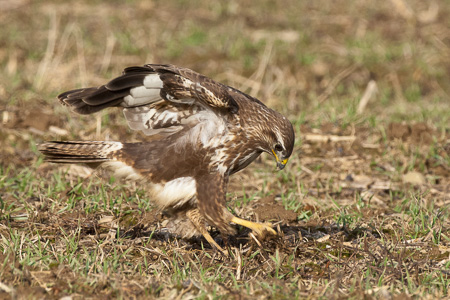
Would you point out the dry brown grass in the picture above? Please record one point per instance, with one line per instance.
(362, 207)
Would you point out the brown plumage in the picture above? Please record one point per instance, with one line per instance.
(201, 132)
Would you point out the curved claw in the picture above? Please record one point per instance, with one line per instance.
(259, 228)
(198, 221)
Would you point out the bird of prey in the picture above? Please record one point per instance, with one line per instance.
(200, 132)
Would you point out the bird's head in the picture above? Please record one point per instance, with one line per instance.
(279, 140)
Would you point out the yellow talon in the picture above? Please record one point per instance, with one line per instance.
(258, 228)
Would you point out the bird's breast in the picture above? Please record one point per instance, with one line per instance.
(233, 156)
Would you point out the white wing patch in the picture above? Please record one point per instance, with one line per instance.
(145, 110)
(158, 117)
(147, 93)
(208, 127)
(153, 81)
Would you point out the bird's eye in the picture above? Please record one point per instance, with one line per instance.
(278, 148)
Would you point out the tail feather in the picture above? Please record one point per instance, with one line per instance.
(79, 151)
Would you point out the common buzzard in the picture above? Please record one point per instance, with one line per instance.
(200, 132)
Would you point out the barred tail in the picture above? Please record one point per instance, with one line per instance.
(79, 151)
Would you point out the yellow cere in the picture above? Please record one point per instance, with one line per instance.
(283, 162)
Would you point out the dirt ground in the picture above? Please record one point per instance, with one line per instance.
(361, 209)
(340, 167)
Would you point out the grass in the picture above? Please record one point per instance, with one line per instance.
(362, 208)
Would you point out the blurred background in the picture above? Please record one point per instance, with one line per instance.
(365, 83)
(312, 60)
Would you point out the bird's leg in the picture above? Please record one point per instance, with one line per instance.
(199, 223)
(258, 228)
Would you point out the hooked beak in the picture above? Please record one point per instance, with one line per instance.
(280, 163)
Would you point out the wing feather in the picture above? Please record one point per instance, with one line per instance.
(155, 97)
(162, 115)
(127, 81)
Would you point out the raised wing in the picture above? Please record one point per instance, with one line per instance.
(160, 117)
(154, 97)
(181, 83)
